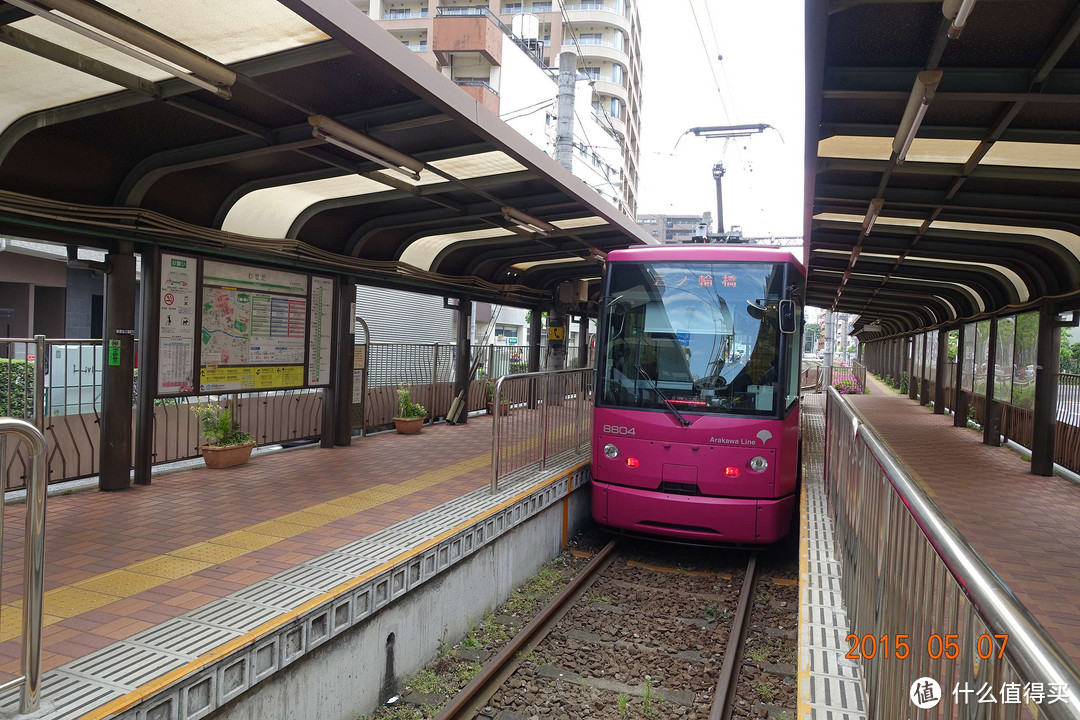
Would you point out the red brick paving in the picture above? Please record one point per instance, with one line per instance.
(89, 533)
(1026, 527)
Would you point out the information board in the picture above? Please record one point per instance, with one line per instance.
(320, 330)
(253, 328)
(176, 329)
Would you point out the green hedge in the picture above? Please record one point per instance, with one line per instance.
(16, 388)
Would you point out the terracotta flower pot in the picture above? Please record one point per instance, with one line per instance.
(409, 426)
(504, 408)
(223, 456)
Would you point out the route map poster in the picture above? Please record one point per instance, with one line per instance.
(254, 323)
(176, 332)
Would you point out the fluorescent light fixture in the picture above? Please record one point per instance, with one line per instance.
(527, 221)
(926, 83)
(148, 46)
(366, 147)
(872, 214)
(957, 11)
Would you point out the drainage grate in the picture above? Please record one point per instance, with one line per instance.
(314, 577)
(71, 696)
(233, 614)
(275, 594)
(183, 637)
(125, 665)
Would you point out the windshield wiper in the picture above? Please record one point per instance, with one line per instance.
(671, 405)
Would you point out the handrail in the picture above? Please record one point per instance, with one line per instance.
(1033, 655)
(33, 562)
(497, 403)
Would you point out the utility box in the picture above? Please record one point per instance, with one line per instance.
(73, 382)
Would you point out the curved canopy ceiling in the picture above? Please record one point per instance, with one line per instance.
(97, 145)
(981, 214)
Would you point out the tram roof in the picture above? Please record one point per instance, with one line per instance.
(980, 219)
(95, 145)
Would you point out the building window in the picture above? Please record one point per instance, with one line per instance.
(617, 74)
(596, 105)
(619, 39)
(593, 72)
(616, 108)
(590, 38)
(512, 8)
(541, 7)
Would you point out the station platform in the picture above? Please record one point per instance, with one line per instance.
(1026, 527)
(155, 596)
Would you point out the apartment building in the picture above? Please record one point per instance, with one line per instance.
(674, 228)
(486, 47)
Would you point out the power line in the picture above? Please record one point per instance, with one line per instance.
(708, 59)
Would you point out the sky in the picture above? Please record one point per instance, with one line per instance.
(760, 80)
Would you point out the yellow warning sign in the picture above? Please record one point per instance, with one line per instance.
(556, 332)
(221, 379)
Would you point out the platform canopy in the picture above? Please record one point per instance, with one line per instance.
(980, 216)
(297, 133)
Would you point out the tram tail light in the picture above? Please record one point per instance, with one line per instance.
(632, 462)
(731, 471)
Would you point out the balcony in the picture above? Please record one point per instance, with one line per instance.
(597, 14)
(404, 14)
(606, 86)
(467, 28)
(482, 92)
(598, 49)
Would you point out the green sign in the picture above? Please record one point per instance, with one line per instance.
(114, 352)
(179, 263)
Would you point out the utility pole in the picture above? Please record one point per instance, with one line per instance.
(830, 337)
(564, 126)
(718, 176)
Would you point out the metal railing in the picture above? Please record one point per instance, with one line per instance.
(33, 559)
(910, 576)
(538, 416)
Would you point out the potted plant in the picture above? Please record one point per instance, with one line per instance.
(410, 415)
(504, 406)
(226, 444)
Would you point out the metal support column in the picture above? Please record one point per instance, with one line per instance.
(119, 370)
(535, 327)
(556, 348)
(924, 381)
(1047, 359)
(463, 364)
(941, 370)
(583, 341)
(912, 368)
(992, 418)
(148, 365)
(962, 400)
(342, 362)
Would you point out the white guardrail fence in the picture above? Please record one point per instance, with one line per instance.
(923, 605)
(538, 417)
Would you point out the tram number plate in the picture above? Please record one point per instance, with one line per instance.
(619, 430)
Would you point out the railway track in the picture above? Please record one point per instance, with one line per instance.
(624, 639)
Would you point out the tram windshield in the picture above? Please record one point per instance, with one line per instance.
(699, 337)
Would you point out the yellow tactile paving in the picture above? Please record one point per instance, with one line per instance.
(247, 540)
(169, 567)
(278, 529)
(121, 583)
(209, 552)
(70, 601)
(100, 590)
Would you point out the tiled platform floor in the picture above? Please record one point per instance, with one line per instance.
(118, 563)
(1026, 527)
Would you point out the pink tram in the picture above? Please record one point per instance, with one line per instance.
(696, 425)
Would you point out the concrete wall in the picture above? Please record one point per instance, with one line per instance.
(347, 677)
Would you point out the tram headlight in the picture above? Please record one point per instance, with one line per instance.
(758, 464)
(611, 451)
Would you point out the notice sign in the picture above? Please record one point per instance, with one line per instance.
(359, 358)
(253, 328)
(320, 335)
(176, 325)
(114, 352)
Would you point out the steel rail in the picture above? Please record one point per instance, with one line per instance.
(471, 698)
(724, 696)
